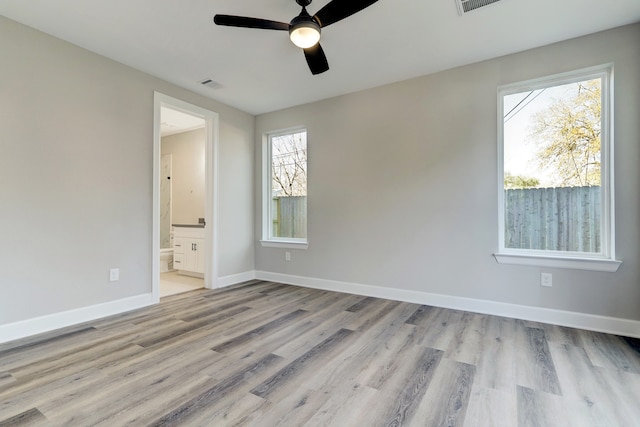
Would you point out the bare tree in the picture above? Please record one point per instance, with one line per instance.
(568, 134)
(289, 164)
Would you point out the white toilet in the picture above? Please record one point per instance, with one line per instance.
(166, 260)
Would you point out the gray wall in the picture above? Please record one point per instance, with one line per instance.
(76, 177)
(187, 176)
(403, 184)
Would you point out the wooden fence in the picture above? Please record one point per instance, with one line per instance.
(290, 218)
(560, 219)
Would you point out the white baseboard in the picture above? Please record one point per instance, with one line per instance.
(234, 279)
(38, 325)
(612, 325)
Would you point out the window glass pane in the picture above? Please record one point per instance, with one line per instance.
(552, 169)
(289, 185)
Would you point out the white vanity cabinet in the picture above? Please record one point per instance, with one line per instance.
(188, 250)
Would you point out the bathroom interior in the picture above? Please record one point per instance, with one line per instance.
(182, 202)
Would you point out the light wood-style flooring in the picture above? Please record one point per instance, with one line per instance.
(267, 354)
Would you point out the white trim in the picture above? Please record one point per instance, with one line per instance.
(267, 221)
(155, 219)
(611, 325)
(234, 279)
(604, 261)
(285, 244)
(591, 264)
(266, 187)
(211, 203)
(38, 325)
(212, 125)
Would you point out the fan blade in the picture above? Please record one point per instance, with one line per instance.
(246, 22)
(316, 59)
(337, 10)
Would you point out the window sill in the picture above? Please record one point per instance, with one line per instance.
(284, 244)
(591, 264)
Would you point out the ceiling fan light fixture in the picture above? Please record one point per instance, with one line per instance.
(304, 29)
(305, 34)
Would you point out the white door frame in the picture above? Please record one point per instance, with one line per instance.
(211, 189)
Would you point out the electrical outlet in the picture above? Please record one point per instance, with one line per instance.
(546, 280)
(287, 256)
(114, 274)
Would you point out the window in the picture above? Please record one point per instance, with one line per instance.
(285, 189)
(555, 172)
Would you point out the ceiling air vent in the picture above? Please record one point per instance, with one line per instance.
(465, 6)
(211, 84)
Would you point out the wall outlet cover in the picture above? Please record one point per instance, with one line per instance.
(114, 274)
(546, 280)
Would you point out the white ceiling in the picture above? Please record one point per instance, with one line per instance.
(173, 121)
(261, 71)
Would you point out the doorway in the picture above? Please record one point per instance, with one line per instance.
(171, 112)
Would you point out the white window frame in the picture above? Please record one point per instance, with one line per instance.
(267, 214)
(604, 261)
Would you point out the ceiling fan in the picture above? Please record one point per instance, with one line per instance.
(304, 29)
